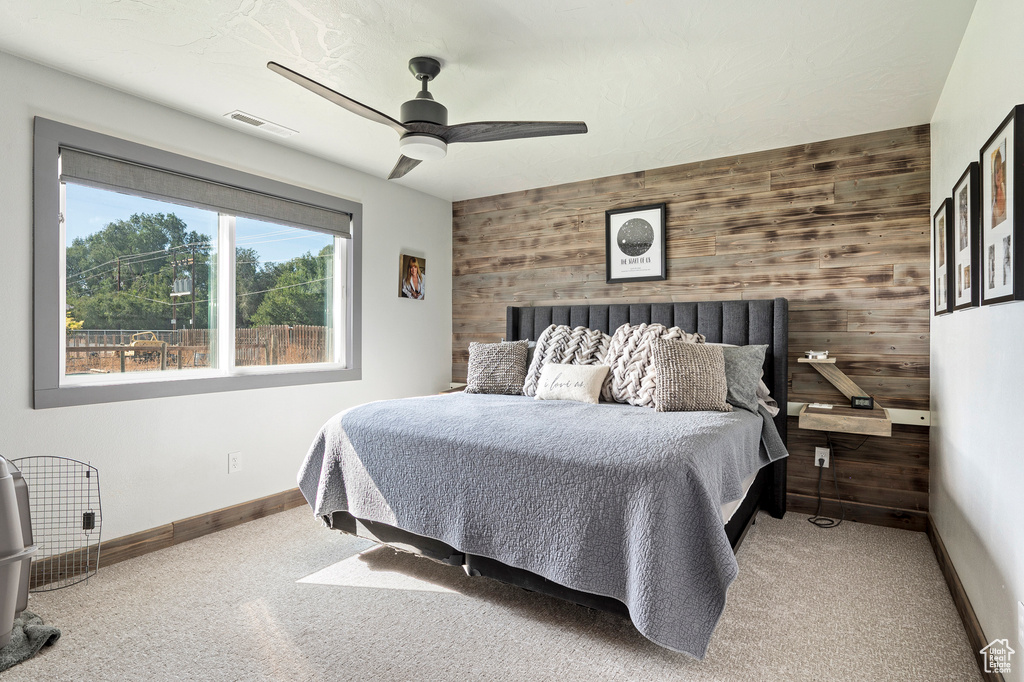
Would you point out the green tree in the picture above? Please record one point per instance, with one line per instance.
(136, 254)
(300, 291)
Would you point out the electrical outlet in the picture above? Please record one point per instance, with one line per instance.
(821, 454)
(234, 462)
(1020, 623)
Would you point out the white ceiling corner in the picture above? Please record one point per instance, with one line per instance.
(659, 82)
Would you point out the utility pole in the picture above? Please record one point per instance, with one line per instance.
(174, 299)
(178, 288)
(119, 274)
(192, 258)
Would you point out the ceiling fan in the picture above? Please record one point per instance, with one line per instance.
(424, 126)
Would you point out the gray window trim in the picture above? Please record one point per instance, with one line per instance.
(49, 137)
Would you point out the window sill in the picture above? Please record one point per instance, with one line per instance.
(88, 394)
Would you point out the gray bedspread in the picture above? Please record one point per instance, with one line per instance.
(610, 499)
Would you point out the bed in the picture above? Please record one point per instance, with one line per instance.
(636, 512)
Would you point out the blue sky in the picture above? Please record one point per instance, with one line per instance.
(89, 210)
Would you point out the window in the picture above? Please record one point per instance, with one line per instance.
(161, 275)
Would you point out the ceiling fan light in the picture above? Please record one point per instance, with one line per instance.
(423, 147)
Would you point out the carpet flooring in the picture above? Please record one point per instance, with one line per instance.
(282, 598)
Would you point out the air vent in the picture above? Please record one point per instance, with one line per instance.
(261, 123)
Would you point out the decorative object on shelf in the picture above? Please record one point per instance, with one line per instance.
(816, 354)
(942, 248)
(966, 252)
(411, 272)
(862, 402)
(873, 422)
(1002, 255)
(634, 244)
(66, 520)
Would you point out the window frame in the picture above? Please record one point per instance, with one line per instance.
(49, 257)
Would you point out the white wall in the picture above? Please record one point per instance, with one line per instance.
(977, 355)
(150, 476)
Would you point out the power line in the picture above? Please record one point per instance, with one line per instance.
(248, 293)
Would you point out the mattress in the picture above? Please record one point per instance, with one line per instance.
(729, 508)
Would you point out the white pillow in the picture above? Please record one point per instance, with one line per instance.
(581, 383)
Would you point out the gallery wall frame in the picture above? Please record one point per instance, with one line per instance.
(1002, 217)
(942, 256)
(966, 262)
(634, 244)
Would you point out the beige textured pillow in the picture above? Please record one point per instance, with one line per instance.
(562, 344)
(631, 378)
(581, 383)
(689, 377)
(496, 367)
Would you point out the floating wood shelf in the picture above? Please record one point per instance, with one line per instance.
(843, 418)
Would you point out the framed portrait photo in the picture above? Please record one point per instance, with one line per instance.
(634, 243)
(966, 252)
(1002, 180)
(942, 256)
(411, 273)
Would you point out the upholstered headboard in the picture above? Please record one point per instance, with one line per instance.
(736, 322)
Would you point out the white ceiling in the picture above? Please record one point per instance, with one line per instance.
(659, 82)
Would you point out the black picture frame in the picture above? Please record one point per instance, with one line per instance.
(1001, 221)
(966, 261)
(942, 254)
(640, 230)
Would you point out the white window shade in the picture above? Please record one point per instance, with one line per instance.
(113, 174)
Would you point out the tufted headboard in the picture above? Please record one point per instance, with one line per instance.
(736, 322)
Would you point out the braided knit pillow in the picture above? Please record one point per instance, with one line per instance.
(565, 345)
(632, 377)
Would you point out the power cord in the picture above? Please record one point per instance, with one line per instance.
(824, 521)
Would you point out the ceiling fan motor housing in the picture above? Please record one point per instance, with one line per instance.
(424, 109)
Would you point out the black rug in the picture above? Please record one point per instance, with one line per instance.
(27, 638)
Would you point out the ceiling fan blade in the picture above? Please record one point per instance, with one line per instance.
(491, 131)
(404, 165)
(336, 97)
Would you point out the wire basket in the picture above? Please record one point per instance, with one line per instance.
(64, 502)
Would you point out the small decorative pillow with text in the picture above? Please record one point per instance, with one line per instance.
(581, 383)
(562, 344)
(631, 378)
(689, 377)
(497, 367)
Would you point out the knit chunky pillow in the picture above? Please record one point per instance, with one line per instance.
(496, 367)
(562, 344)
(690, 377)
(631, 379)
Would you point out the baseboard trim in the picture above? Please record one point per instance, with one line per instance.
(907, 519)
(972, 625)
(146, 541)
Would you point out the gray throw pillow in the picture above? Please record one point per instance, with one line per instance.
(689, 377)
(497, 368)
(743, 373)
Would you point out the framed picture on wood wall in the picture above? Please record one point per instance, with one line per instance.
(942, 250)
(634, 244)
(1002, 180)
(966, 252)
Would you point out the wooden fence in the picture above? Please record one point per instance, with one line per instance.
(106, 350)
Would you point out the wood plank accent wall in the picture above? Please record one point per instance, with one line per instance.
(841, 228)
